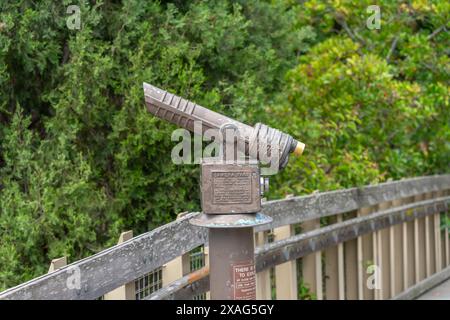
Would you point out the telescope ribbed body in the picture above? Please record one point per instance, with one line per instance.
(260, 141)
(183, 113)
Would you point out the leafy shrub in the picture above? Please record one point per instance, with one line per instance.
(80, 157)
(82, 160)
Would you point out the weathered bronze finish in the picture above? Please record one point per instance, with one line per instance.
(225, 221)
(230, 188)
(258, 141)
(232, 264)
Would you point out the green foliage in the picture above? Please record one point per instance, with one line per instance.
(304, 292)
(367, 109)
(42, 215)
(82, 160)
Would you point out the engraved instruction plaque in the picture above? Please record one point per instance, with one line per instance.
(230, 187)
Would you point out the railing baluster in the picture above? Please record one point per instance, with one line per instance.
(417, 253)
(407, 250)
(396, 239)
(365, 257)
(437, 236)
(429, 241)
(427, 247)
(434, 237)
(447, 246)
(285, 273)
(383, 237)
(351, 267)
(341, 266)
(446, 215)
(312, 264)
(421, 245)
(405, 255)
(411, 245)
(392, 275)
(57, 263)
(376, 261)
(446, 235)
(437, 242)
(263, 285)
(332, 270)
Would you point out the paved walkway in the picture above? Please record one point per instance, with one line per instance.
(441, 292)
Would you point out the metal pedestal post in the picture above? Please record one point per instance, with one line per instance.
(232, 265)
(231, 254)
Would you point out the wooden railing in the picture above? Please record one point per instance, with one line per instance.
(335, 245)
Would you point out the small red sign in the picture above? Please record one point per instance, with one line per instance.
(244, 280)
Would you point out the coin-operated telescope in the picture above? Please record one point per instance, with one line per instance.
(231, 187)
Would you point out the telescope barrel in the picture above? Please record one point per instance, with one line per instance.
(184, 113)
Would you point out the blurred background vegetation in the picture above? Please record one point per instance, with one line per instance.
(82, 160)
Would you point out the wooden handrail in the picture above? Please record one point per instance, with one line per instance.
(272, 254)
(123, 263)
(298, 209)
(302, 244)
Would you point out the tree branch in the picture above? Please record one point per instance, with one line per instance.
(354, 36)
(436, 32)
(392, 49)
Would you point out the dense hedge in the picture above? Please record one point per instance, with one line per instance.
(81, 159)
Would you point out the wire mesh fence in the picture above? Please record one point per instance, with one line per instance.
(147, 284)
(197, 261)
